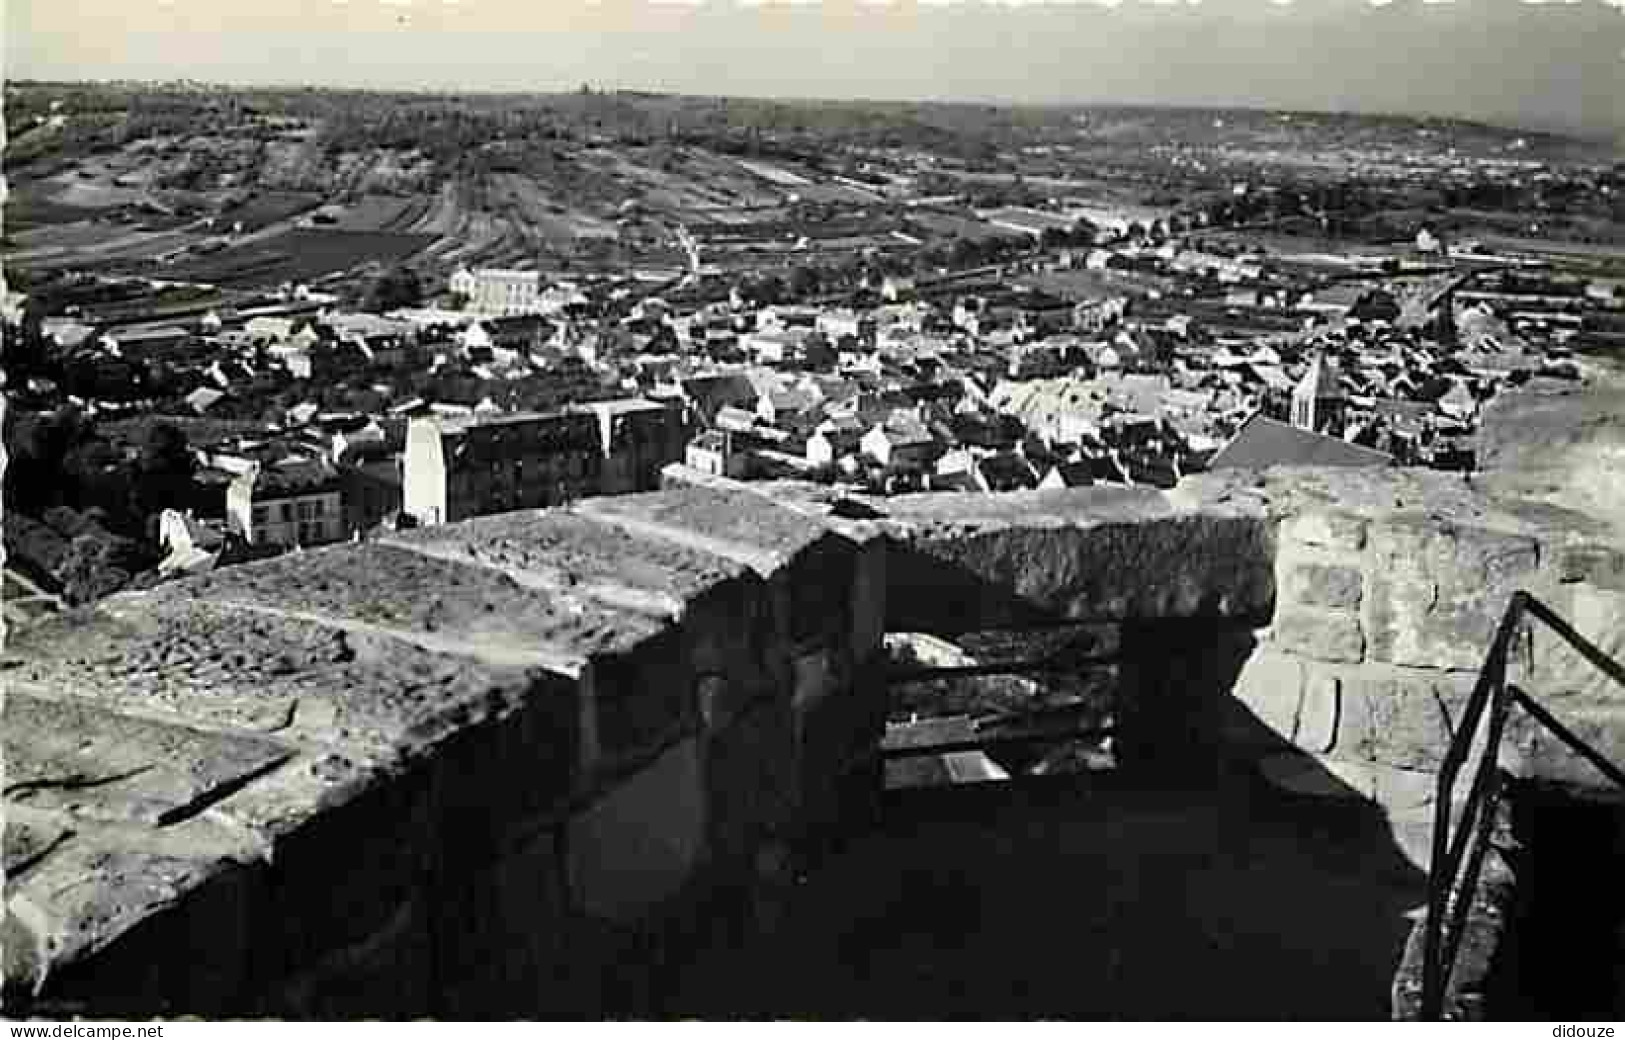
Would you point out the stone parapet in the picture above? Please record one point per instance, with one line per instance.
(466, 772)
(472, 769)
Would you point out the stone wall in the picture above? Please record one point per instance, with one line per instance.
(1388, 600)
(504, 768)
(515, 766)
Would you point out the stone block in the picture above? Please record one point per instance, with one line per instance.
(501, 936)
(1325, 585)
(568, 551)
(473, 610)
(1319, 712)
(639, 843)
(1557, 670)
(1271, 687)
(1437, 591)
(1323, 635)
(1087, 570)
(1326, 530)
(1403, 722)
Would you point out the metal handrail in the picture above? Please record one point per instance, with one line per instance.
(1450, 889)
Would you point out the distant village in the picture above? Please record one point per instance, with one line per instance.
(1125, 352)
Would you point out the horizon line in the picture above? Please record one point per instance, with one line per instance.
(1614, 136)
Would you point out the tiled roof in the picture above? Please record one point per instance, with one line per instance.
(1264, 442)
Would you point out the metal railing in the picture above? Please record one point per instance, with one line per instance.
(1459, 848)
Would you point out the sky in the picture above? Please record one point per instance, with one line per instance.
(1553, 64)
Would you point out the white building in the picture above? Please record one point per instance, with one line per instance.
(494, 291)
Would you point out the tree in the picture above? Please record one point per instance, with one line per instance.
(163, 470)
(38, 443)
(97, 563)
(395, 288)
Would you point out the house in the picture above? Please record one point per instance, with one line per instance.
(705, 396)
(66, 333)
(1003, 471)
(787, 408)
(269, 329)
(350, 433)
(152, 340)
(713, 452)
(834, 439)
(293, 502)
(494, 291)
(902, 443)
(1262, 442)
(776, 346)
(1068, 475)
(835, 324)
(458, 467)
(204, 398)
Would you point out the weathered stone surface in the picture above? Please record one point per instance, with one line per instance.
(1271, 686)
(25, 842)
(1323, 635)
(1438, 591)
(70, 756)
(1325, 585)
(1319, 712)
(638, 845)
(469, 610)
(1079, 567)
(1326, 529)
(1402, 721)
(1557, 670)
(732, 522)
(557, 549)
(212, 666)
